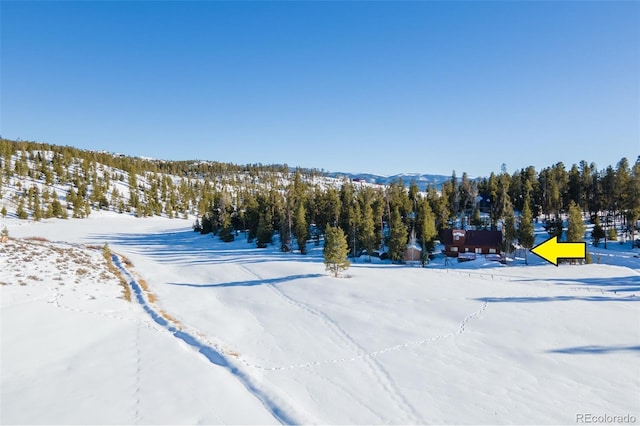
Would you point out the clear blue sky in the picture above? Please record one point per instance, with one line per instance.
(380, 87)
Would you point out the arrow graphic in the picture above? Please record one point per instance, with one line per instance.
(551, 250)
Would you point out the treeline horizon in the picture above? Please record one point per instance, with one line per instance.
(265, 200)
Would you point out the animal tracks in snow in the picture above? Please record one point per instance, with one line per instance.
(382, 377)
(460, 330)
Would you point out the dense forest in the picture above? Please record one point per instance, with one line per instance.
(258, 201)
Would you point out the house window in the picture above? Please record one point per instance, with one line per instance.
(492, 251)
(466, 249)
(454, 249)
(478, 250)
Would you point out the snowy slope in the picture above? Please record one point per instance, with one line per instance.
(75, 352)
(388, 345)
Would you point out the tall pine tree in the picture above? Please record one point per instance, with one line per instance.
(525, 229)
(301, 229)
(397, 237)
(576, 227)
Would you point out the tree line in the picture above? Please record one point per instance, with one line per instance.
(275, 205)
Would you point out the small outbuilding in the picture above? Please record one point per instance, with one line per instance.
(413, 253)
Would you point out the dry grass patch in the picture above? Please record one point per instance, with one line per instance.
(170, 318)
(40, 239)
(145, 287)
(82, 271)
(232, 353)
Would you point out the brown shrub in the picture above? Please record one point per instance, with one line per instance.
(40, 239)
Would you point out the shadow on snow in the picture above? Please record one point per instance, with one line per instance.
(595, 349)
(537, 299)
(191, 248)
(252, 282)
(211, 353)
(611, 284)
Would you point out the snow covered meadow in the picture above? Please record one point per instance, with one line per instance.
(228, 333)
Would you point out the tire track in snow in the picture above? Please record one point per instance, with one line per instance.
(211, 353)
(382, 377)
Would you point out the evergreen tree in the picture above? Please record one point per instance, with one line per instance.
(525, 229)
(597, 233)
(301, 230)
(46, 203)
(576, 227)
(348, 214)
(3, 212)
(366, 230)
(205, 224)
(57, 210)
(509, 229)
(37, 208)
(226, 230)
(335, 250)
(438, 207)
(554, 227)
(397, 237)
(265, 229)
(477, 220)
(20, 211)
(252, 217)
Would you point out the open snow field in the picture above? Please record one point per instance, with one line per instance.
(228, 333)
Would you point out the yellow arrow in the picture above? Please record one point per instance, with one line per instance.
(551, 250)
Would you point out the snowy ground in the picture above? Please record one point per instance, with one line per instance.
(232, 334)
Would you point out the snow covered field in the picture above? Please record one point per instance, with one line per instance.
(228, 333)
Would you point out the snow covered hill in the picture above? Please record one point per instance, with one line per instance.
(228, 333)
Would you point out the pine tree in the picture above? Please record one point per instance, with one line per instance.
(37, 209)
(265, 229)
(525, 229)
(477, 220)
(285, 230)
(301, 229)
(46, 201)
(597, 233)
(20, 211)
(576, 227)
(366, 231)
(509, 231)
(3, 212)
(205, 224)
(226, 230)
(57, 210)
(426, 229)
(335, 250)
(397, 237)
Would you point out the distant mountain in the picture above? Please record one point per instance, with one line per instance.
(423, 180)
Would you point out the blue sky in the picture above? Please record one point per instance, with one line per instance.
(380, 87)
